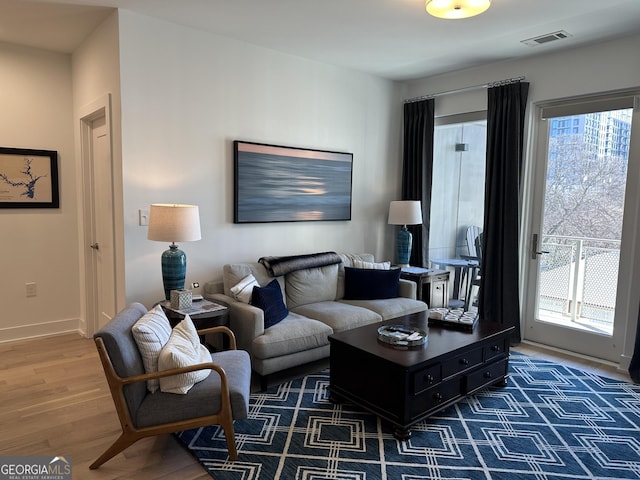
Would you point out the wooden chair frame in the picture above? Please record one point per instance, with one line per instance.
(131, 434)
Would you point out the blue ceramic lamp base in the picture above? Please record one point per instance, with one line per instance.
(174, 269)
(404, 246)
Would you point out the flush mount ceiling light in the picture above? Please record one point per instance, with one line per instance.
(454, 9)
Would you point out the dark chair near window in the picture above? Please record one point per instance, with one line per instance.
(219, 399)
(474, 245)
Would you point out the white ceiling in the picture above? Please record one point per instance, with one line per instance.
(395, 39)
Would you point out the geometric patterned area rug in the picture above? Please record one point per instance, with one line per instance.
(551, 422)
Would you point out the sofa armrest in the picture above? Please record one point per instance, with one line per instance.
(245, 321)
(408, 289)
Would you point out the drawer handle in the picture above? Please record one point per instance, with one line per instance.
(487, 375)
(437, 397)
(464, 361)
(496, 348)
(428, 378)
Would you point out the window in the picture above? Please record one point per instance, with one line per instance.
(457, 199)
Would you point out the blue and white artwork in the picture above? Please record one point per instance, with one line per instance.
(284, 184)
(28, 178)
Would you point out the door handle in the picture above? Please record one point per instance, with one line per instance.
(534, 248)
(95, 246)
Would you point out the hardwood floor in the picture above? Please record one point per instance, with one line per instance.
(54, 400)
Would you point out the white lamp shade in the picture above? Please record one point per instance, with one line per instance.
(174, 223)
(405, 212)
(453, 9)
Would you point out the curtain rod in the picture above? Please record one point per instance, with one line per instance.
(466, 89)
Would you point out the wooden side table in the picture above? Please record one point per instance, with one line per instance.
(205, 314)
(432, 285)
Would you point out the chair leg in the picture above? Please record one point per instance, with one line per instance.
(230, 436)
(118, 446)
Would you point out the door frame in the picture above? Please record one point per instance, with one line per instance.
(100, 107)
(628, 297)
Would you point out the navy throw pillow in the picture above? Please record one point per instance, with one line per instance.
(269, 299)
(370, 284)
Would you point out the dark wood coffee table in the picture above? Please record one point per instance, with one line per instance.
(405, 385)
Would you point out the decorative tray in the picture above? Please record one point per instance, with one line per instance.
(453, 318)
(402, 335)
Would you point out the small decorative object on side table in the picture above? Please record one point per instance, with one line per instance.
(435, 282)
(205, 314)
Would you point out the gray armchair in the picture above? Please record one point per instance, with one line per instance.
(219, 399)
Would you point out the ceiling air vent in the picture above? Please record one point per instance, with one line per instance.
(546, 38)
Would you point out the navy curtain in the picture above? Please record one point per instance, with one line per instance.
(417, 168)
(499, 284)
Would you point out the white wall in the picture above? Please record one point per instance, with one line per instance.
(38, 245)
(598, 68)
(96, 75)
(195, 93)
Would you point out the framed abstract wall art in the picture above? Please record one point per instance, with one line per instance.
(287, 184)
(28, 178)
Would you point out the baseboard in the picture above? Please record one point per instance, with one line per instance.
(46, 329)
(625, 361)
(618, 366)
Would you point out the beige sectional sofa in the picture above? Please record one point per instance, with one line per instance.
(317, 307)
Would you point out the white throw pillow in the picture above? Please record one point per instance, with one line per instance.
(151, 332)
(243, 290)
(371, 265)
(183, 350)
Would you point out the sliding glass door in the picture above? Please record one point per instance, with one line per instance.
(581, 238)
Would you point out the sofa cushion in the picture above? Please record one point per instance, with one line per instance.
(339, 316)
(293, 334)
(269, 300)
(235, 272)
(183, 350)
(390, 308)
(348, 260)
(357, 263)
(151, 332)
(311, 285)
(243, 290)
(369, 284)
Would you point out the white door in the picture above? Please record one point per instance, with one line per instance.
(99, 219)
(582, 241)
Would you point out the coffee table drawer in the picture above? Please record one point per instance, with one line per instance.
(495, 349)
(462, 362)
(436, 397)
(486, 375)
(426, 378)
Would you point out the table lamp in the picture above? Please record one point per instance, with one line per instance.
(404, 212)
(174, 223)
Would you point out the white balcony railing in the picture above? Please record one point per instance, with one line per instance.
(578, 281)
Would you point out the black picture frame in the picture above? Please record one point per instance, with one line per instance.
(275, 183)
(28, 178)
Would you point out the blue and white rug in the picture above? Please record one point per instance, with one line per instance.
(550, 423)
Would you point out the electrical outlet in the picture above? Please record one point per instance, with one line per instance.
(143, 217)
(31, 289)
